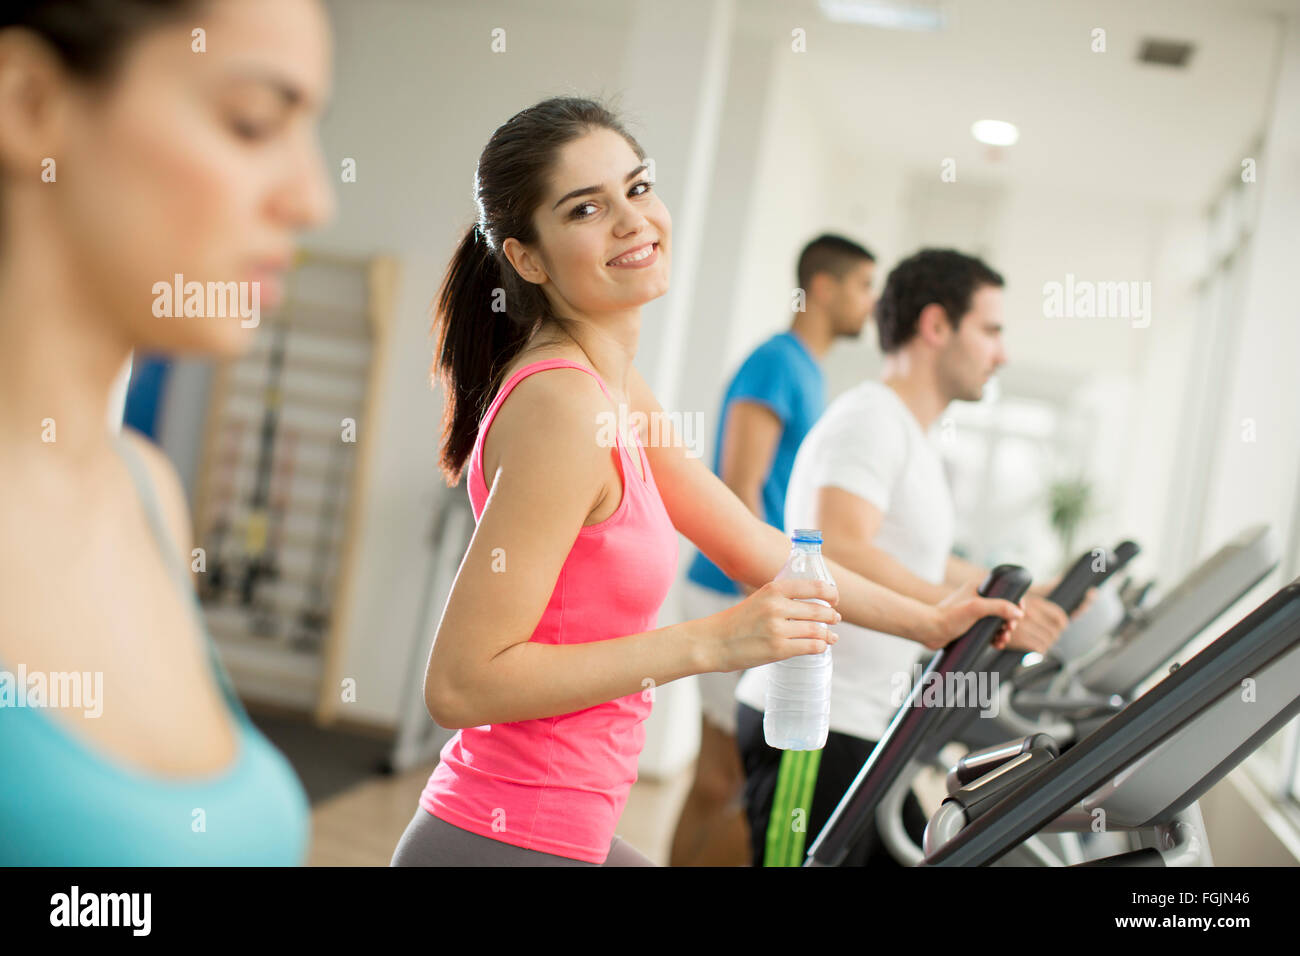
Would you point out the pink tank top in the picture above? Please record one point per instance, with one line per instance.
(559, 784)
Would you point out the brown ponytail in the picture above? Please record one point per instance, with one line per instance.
(485, 312)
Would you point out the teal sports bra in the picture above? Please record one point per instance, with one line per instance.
(64, 804)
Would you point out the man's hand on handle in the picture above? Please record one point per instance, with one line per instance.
(1045, 621)
(959, 611)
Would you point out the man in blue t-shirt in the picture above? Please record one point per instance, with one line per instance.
(770, 404)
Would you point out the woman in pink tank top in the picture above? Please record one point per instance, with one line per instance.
(548, 653)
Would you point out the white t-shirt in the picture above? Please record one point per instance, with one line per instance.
(870, 444)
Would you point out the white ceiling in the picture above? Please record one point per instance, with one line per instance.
(1089, 122)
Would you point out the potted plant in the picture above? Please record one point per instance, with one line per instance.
(1069, 502)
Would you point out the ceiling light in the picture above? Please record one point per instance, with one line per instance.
(890, 16)
(995, 132)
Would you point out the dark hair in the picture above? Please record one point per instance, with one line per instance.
(829, 253)
(943, 277)
(478, 333)
(90, 36)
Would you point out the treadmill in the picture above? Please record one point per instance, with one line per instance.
(911, 740)
(918, 732)
(1141, 773)
(1069, 700)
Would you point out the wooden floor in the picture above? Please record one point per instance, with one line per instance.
(361, 827)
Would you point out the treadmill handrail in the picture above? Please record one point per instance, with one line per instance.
(1070, 592)
(1141, 645)
(909, 729)
(1263, 636)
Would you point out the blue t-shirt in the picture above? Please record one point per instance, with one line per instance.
(783, 375)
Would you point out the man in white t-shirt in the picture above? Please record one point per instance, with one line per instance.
(869, 476)
(777, 394)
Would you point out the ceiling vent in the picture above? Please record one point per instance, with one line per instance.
(1165, 52)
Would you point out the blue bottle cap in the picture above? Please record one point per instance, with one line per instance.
(806, 536)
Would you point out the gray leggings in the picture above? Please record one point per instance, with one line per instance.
(431, 841)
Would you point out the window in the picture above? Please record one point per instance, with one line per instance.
(1230, 223)
(1002, 456)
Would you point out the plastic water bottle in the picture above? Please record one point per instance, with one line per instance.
(797, 713)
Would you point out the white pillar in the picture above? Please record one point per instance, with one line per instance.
(676, 81)
(117, 395)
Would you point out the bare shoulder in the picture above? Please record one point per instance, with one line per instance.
(556, 413)
(167, 484)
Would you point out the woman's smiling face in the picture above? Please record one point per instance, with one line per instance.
(603, 233)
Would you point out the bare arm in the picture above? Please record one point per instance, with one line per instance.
(551, 474)
(750, 550)
(959, 571)
(749, 439)
(849, 526)
(750, 435)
